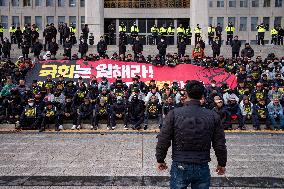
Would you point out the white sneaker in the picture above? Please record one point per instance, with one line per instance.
(60, 127)
(112, 128)
(79, 127)
(125, 127)
(108, 128)
(73, 127)
(92, 127)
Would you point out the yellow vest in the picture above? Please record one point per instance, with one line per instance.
(180, 30)
(163, 30)
(211, 29)
(11, 30)
(154, 29)
(197, 30)
(274, 32)
(122, 29)
(1, 30)
(171, 30)
(134, 29)
(261, 29)
(230, 29)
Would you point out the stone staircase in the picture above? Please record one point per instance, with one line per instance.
(262, 51)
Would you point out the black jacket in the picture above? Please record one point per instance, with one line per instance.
(83, 48)
(37, 47)
(247, 52)
(236, 45)
(53, 47)
(137, 47)
(101, 47)
(192, 129)
(162, 47)
(215, 46)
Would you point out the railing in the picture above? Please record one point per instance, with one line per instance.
(147, 3)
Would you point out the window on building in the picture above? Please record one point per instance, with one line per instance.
(61, 19)
(38, 22)
(27, 20)
(15, 3)
(49, 19)
(232, 20)
(2, 2)
(38, 3)
(255, 3)
(266, 3)
(82, 3)
(277, 21)
(49, 3)
(243, 24)
(72, 3)
(266, 21)
(72, 20)
(278, 3)
(82, 21)
(220, 3)
(254, 22)
(221, 21)
(142, 25)
(4, 21)
(16, 21)
(150, 23)
(210, 20)
(232, 3)
(61, 3)
(27, 3)
(210, 3)
(244, 3)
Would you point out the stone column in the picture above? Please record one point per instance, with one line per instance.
(199, 15)
(94, 13)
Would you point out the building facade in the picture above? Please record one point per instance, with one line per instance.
(244, 14)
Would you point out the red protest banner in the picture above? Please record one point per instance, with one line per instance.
(127, 70)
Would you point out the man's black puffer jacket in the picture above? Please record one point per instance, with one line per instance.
(192, 129)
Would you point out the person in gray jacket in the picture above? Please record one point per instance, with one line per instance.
(192, 129)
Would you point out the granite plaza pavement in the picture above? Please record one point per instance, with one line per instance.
(127, 160)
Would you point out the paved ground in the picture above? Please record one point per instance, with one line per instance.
(61, 160)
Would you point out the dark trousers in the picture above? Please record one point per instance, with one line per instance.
(6, 54)
(260, 38)
(274, 39)
(197, 38)
(46, 42)
(235, 54)
(185, 174)
(216, 54)
(29, 123)
(148, 116)
(280, 40)
(188, 40)
(210, 39)
(99, 117)
(48, 120)
(85, 117)
(61, 39)
(136, 122)
(122, 36)
(111, 39)
(26, 55)
(1, 37)
(113, 119)
(229, 39)
(256, 121)
(62, 117)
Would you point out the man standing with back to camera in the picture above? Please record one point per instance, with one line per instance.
(191, 129)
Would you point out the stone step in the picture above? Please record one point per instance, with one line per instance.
(262, 51)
